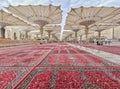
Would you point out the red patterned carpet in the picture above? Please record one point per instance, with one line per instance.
(55, 66)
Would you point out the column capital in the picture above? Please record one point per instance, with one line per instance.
(100, 30)
(75, 30)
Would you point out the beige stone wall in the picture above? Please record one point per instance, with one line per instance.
(109, 33)
(117, 32)
(10, 33)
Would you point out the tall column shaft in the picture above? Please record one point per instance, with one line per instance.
(99, 34)
(86, 33)
(49, 34)
(26, 35)
(20, 35)
(76, 35)
(41, 31)
(76, 30)
(81, 38)
(113, 33)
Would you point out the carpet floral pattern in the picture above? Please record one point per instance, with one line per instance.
(55, 66)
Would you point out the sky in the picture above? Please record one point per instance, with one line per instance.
(66, 5)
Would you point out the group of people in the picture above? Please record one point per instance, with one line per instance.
(103, 42)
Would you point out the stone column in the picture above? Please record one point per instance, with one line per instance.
(41, 31)
(76, 35)
(80, 38)
(113, 33)
(76, 30)
(15, 36)
(20, 35)
(49, 35)
(26, 35)
(86, 33)
(99, 33)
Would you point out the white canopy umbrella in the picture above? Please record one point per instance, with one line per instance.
(7, 19)
(48, 30)
(75, 28)
(67, 35)
(38, 14)
(89, 17)
(53, 30)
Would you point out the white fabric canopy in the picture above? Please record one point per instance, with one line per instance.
(93, 17)
(38, 14)
(7, 19)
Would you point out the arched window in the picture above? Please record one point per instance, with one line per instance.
(15, 37)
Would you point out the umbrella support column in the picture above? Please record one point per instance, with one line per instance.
(80, 38)
(99, 35)
(113, 33)
(41, 33)
(49, 35)
(86, 33)
(76, 34)
(26, 35)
